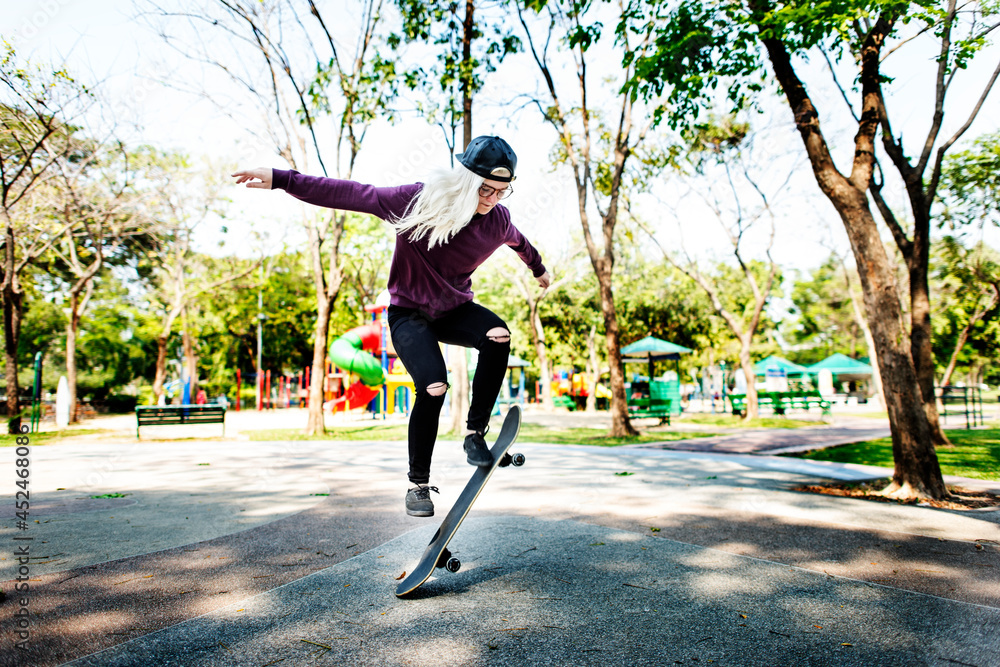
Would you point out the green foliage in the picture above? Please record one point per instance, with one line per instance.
(718, 139)
(704, 45)
(224, 322)
(825, 322)
(651, 299)
(970, 185)
(666, 304)
(966, 284)
(441, 25)
(113, 345)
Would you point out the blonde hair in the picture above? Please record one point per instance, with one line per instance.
(444, 206)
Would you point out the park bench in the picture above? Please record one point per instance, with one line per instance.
(807, 399)
(167, 415)
(662, 401)
(781, 401)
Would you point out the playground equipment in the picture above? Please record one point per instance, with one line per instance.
(355, 352)
(364, 351)
(360, 357)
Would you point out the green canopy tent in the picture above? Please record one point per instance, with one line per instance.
(652, 349)
(514, 363)
(844, 368)
(773, 363)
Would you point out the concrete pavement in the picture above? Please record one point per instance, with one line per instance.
(236, 553)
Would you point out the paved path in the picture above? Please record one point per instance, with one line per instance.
(785, 440)
(286, 553)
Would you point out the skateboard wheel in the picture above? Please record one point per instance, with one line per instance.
(517, 459)
(453, 565)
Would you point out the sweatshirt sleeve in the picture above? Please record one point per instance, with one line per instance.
(527, 252)
(386, 203)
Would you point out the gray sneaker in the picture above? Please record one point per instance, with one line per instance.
(418, 500)
(476, 451)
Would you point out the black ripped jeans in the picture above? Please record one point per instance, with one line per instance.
(416, 339)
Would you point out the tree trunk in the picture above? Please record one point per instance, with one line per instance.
(917, 472)
(315, 424)
(920, 342)
(963, 335)
(593, 369)
(620, 424)
(327, 290)
(746, 363)
(538, 338)
(12, 311)
(72, 327)
(161, 366)
(862, 322)
(468, 34)
(12, 306)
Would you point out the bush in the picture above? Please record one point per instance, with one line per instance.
(120, 404)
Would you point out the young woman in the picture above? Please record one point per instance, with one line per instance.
(445, 229)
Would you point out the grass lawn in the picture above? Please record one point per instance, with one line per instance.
(529, 433)
(731, 421)
(976, 454)
(45, 437)
(597, 436)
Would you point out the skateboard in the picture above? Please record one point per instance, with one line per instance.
(436, 555)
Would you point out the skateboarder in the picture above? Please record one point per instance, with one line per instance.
(445, 229)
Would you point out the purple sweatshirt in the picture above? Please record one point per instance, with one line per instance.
(431, 280)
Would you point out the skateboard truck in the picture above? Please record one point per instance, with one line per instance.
(449, 563)
(511, 459)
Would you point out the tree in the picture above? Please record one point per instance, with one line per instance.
(292, 90)
(531, 296)
(668, 305)
(722, 152)
(35, 109)
(703, 44)
(465, 53)
(177, 202)
(969, 280)
(95, 198)
(596, 153)
(960, 32)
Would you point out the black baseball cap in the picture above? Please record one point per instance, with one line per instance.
(490, 157)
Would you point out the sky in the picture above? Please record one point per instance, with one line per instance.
(99, 41)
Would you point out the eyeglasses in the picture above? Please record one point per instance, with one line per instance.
(501, 193)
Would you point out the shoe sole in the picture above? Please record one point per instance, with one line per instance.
(420, 513)
(479, 464)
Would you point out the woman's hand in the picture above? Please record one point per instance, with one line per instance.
(544, 280)
(260, 177)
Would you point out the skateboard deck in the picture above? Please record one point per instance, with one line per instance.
(436, 554)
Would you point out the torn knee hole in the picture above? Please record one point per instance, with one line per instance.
(498, 335)
(437, 389)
